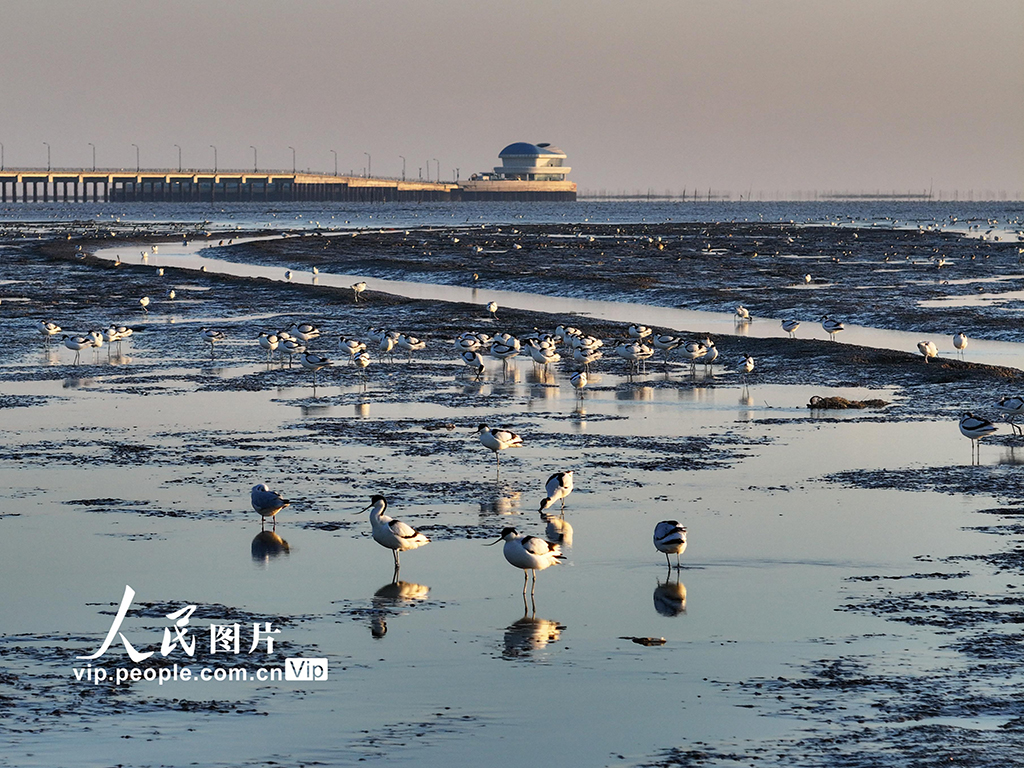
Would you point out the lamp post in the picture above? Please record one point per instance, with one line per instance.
(47, 156)
(369, 164)
(293, 159)
(179, 157)
(335, 162)
(438, 179)
(93, 156)
(138, 167)
(214, 157)
(456, 175)
(255, 165)
(403, 168)
(1, 155)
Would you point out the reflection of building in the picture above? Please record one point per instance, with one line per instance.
(527, 172)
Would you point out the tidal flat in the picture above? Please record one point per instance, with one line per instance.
(848, 597)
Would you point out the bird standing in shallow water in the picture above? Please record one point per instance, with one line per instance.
(960, 343)
(790, 326)
(558, 488)
(529, 553)
(357, 288)
(498, 440)
(390, 533)
(1011, 407)
(670, 538)
(578, 381)
(267, 502)
(975, 428)
(832, 327)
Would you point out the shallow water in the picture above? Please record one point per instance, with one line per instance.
(139, 474)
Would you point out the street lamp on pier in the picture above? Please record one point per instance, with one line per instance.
(293, 159)
(369, 164)
(47, 156)
(138, 167)
(179, 157)
(214, 157)
(333, 152)
(93, 156)
(403, 168)
(255, 164)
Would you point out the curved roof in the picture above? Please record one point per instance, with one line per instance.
(521, 148)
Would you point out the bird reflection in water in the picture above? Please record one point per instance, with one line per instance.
(73, 382)
(529, 634)
(267, 545)
(670, 596)
(362, 409)
(501, 501)
(558, 530)
(316, 409)
(389, 600)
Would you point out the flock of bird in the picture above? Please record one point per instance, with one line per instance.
(528, 553)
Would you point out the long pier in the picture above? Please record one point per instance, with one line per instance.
(33, 185)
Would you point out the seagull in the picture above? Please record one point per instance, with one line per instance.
(474, 361)
(393, 534)
(144, 301)
(492, 307)
(790, 326)
(960, 342)
(558, 488)
(358, 288)
(928, 349)
(670, 538)
(267, 502)
(832, 327)
(498, 440)
(975, 428)
(313, 363)
(1012, 407)
(529, 553)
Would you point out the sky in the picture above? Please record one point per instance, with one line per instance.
(773, 98)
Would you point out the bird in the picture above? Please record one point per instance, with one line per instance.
(710, 357)
(352, 346)
(498, 440)
(293, 347)
(304, 331)
(790, 326)
(269, 342)
(48, 328)
(492, 307)
(975, 428)
(393, 534)
(670, 538)
(585, 356)
(144, 301)
(212, 335)
(314, 363)
(1011, 407)
(171, 294)
(76, 344)
(928, 349)
(288, 275)
(361, 361)
(694, 350)
(578, 379)
(960, 342)
(267, 502)
(357, 288)
(558, 488)
(832, 327)
(529, 553)
(474, 361)
(746, 366)
(742, 314)
(638, 331)
(410, 344)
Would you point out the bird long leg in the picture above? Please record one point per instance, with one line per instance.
(534, 583)
(526, 578)
(396, 559)
(668, 562)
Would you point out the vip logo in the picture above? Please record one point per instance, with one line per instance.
(305, 669)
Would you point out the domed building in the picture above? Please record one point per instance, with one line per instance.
(527, 172)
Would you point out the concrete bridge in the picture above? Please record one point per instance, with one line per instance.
(71, 185)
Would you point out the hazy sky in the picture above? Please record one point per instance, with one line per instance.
(767, 96)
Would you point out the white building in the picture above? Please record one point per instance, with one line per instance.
(532, 162)
(527, 172)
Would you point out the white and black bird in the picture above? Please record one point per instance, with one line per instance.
(267, 502)
(498, 440)
(48, 329)
(960, 342)
(211, 336)
(357, 289)
(313, 362)
(558, 488)
(742, 314)
(832, 327)
(928, 349)
(1011, 408)
(975, 428)
(578, 379)
(530, 553)
(670, 538)
(388, 532)
(790, 326)
(474, 360)
(492, 308)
